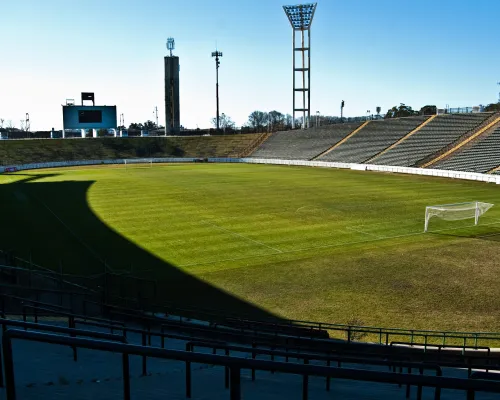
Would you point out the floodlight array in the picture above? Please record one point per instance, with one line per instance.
(301, 15)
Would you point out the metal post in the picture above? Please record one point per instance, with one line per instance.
(126, 376)
(293, 71)
(144, 365)
(305, 123)
(309, 76)
(9, 368)
(217, 54)
(217, 90)
(188, 373)
(305, 383)
(235, 390)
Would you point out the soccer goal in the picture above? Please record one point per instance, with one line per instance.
(138, 163)
(455, 212)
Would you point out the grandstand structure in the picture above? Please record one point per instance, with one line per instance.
(69, 340)
(87, 339)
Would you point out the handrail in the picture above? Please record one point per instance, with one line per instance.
(382, 333)
(119, 325)
(444, 346)
(58, 329)
(234, 364)
(306, 357)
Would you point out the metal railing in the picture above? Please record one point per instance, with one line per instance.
(307, 357)
(470, 386)
(57, 329)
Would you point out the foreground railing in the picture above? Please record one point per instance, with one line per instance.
(351, 333)
(470, 386)
(56, 329)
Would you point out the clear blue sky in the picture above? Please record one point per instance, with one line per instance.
(368, 53)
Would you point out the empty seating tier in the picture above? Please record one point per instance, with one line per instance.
(372, 139)
(482, 156)
(303, 144)
(436, 135)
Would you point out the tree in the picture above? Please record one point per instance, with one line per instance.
(492, 107)
(149, 125)
(10, 126)
(225, 122)
(401, 111)
(1, 122)
(378, 110)
(134, 126)
(276, 119)
(258, 120)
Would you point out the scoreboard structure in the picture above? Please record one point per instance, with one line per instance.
(84, 118)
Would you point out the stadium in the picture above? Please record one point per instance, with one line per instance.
(349, 260)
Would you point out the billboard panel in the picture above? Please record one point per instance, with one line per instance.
(89, 117)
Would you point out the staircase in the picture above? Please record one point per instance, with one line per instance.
(478, 133)
(401, 140)
(342, 141)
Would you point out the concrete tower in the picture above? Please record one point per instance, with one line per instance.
(172, 110)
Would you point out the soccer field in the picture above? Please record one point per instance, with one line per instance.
(297, 242)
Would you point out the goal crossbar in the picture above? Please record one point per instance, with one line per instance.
(138, 161)
(456, 211)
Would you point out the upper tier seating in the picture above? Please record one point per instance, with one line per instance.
(372, 139)
(482, 156)
(437, 134)
(303, 144)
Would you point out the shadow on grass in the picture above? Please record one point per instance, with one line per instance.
(52, 223)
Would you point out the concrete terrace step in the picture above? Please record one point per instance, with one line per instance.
(209, 384)
(44, 371)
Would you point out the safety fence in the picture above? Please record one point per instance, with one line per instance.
(234, 366)
(274, 161)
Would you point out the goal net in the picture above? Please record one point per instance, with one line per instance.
(138, 163)
(455, 212)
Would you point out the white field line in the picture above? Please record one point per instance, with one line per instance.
(330, 246)
(241, 236)
(359, 231)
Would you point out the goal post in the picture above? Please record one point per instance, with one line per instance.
(456, 212)
(138, 162)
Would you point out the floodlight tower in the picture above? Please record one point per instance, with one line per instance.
(217, 54)
(300, 17)
(172, 108)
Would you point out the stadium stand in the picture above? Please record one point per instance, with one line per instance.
(14, 152)
(372, 139)
(436, 135)
(70, 342)
(65, 355)
(303, 144)
(481, 156)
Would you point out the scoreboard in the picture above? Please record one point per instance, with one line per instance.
(89, 117)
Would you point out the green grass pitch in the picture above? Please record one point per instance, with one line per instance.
(303, 243)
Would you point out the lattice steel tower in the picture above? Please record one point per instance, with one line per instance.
(300, 17)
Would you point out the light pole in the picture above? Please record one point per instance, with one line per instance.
(368, 114)
(155, 111)
(217, 55)
(342, 111)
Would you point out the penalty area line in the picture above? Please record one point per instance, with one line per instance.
(240, 235)
(283, 252)
(364, 233)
